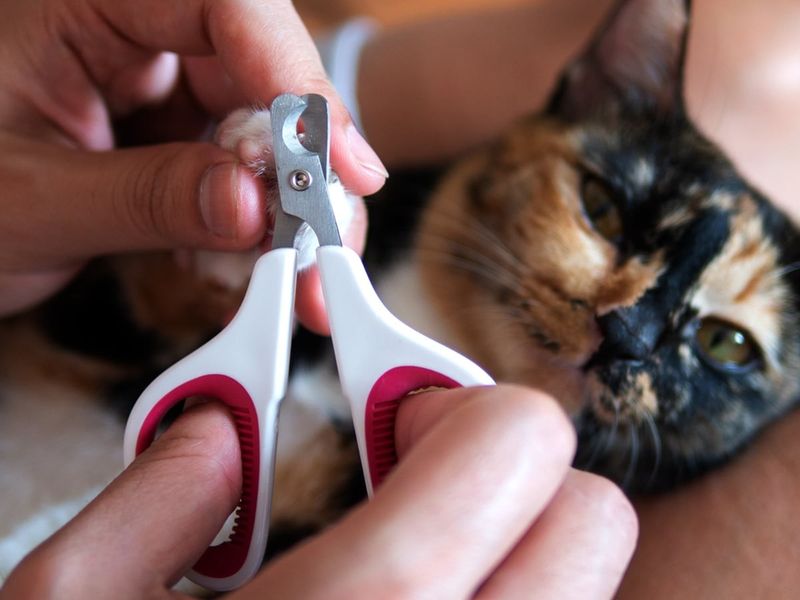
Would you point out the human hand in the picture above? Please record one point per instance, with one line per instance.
(482, 504)
(77, 73)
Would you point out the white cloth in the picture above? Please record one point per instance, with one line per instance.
(340, 51)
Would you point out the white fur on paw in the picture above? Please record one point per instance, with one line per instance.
(344, 209)
(229, 270)
(248, 134)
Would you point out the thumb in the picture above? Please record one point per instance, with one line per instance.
(91, 203)
(151, 524)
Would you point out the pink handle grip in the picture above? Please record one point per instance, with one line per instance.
(227, 558)
(380, 414)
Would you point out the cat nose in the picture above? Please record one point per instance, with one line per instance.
(627, 335)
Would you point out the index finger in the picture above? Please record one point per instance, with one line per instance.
(264, 47)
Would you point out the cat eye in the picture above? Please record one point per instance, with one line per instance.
(600, 208)
(725, 345)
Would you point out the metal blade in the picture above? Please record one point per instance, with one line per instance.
(302, 169)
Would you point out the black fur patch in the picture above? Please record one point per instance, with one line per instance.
(394, 213)
(91, 317)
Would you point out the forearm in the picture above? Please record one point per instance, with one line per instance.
(743, 88)
(430, 90)
(732, 534)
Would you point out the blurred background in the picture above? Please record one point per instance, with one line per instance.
(742, 75)
(319, 14)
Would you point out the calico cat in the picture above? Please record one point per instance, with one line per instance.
(603, 251)
(607, 252)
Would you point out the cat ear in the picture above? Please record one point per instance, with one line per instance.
(635, 63)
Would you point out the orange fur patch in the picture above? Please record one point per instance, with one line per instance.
(173, 300)
(742, 285)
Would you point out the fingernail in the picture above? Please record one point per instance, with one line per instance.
(219, 190)
(364, 153)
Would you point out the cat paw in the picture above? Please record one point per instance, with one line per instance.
(247, 133)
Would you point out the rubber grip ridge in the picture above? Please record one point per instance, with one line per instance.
(380, 413)
(227, 558)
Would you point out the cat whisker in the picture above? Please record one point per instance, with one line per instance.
(484, 254)
(481, 254)
(634, 460)
(497, 244)
(612, 435)
(488, 272)
(790, 268)
(490, 277)
(484, 310)
(481, 233)
(674, 459)
(603, 443)
(597, 443)
(656, 437)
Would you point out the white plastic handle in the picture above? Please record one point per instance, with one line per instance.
(378, 356)
(246, 366)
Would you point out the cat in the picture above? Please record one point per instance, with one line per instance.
(602, 250)
(607, 252)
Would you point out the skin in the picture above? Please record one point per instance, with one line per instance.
(472, 81)
(741, 77)
(733, 533)
(158, 72)
(528, 527)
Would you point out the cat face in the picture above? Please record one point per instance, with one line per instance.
(606, 252)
